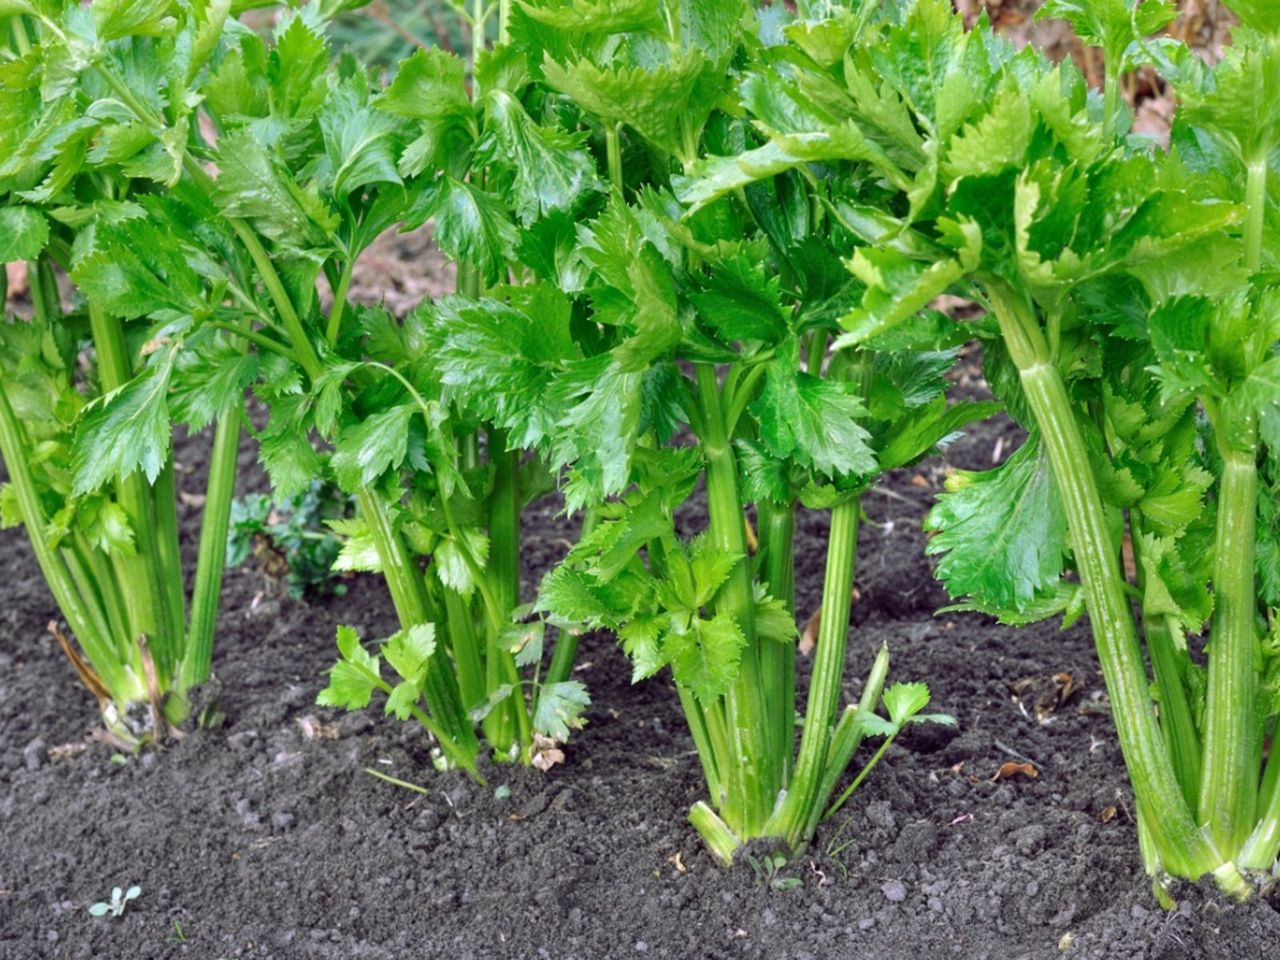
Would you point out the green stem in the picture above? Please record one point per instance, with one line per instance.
(97, 644)
(1183, 848)
(20, 38)
(828, 672)
(720, 839)
(413, 607)
(704, 743)
(466, 650)
(613, 155)
(503, 571)
(862, 775)
(778, 660)
(1176, 720)
(1263, 846)
(753, 775)
(848, 736)
(144, 595)
(1229, 784)
(339, 302)
(1255, 217)
(164, 500)
(566, 650)
(211, 558)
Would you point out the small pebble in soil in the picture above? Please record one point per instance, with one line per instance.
(35, 753)
(282, 820)
(244, 810)
(895, 891)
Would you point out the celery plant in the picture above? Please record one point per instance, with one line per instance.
(715, 315)
(1132, 329)
(88, 451)
(313, 163)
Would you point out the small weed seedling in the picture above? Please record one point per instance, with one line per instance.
(119, 900)
(766, 870)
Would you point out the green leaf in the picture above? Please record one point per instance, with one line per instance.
(409, 652)
(814, 422)
(472, 225)
(122, 18)
(451, 563)
(501, 359)
(652, 102)
(710, 568)
(597, 16)
(365, 451)
(1261, 15)
(486, 706)
(873, 725)
(210, 381)
(559, 709)
(431, 86)
(705, 658)
(1179, 331)
(359, 141)
(359, 550)
(599, 432)
(252, 185)
(898, 288)
(106, 525)
(401, 701)
(773, 620)
(995, 143)
(741, 301)
(23, 233)
(1001, 534)
(125, 430)
(353, 678)
(642, 642)
(295, 69)
(905, 700)
(550, 169)
(920, 431)
(525, 641)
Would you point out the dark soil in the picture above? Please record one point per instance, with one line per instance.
(256, 840)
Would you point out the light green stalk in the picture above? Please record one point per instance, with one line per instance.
(1181, 845)
(752, 777)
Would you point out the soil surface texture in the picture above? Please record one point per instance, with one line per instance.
(1010, 837)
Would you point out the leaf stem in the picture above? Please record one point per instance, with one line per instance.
(1229, 782)
(753, 775)
(1183, 848)
(339, 302)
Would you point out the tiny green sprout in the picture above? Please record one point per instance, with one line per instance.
(119, 899)
(119, 759)
(179, 935)
(766, 870)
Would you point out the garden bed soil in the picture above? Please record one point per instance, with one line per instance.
(267, 838)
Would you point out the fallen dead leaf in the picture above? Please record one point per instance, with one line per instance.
(1107, 815)
(313, 729)
(809, 637)
(919, 481)
(1012, 768)
(545, 753)
(65, 751)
